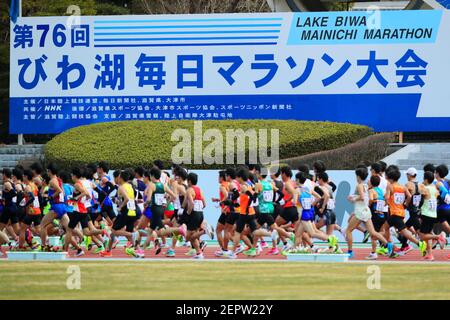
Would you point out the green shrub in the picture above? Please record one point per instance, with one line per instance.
(132, 143)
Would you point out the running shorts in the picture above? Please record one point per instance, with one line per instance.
(81, 218)
(265, 218)
(157, 215)
(32, 219)
(222, 219)
(363, 214)
(413, 221)
(9, 214)
(443, 215)
(378, 221)
(232, 217)
(290, 214)
(195, 220)
(59, 209)
(148, 213)
(329, 217)
(243, 220)
(396, 222)
(123, 220)
(308, 215)
(427, 224)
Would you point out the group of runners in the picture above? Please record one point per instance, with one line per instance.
(149, 206)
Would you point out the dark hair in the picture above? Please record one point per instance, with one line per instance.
(375, 181)
(116, 173)
(383, 165)
(323, 176)
(129, 174)
(442, 170)
(231, 173)
(361, 165)
(243, 173)
(36, 167)
(159, 164)
(139, 171)
(429, 176)
(46, 178)
(319, 166)
(125, 175)
(429, 167)
(104, 166)
(7, 173)
(28, 174)
(155, 173)
(182, 173)
(301, 176)
(92, 166)
(362, 173)
(20, 167)
(256, 167)
(303, 168)
(53, 168)
(65, 176)
(376, 166)
(17, 173)
(392, 167)
(88, 173)
(222, 174)
(393, 174)
(287, 171)
(192, 178)
(77, 172)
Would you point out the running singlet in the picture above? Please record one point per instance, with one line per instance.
(305, 200)
(266, 197)
(287, 198)
(83, 203)
(235, 201)
(429, 207)
(60, 198)
(379, 203)
(70, 202)
(414, 205)
(444, 197)
(34, 207)
(244, 205)
(158, 196)
(396, 201)
(130, 209)
(104, 199)
(222, 197)
(198, 200)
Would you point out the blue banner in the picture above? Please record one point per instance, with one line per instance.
(387, 69)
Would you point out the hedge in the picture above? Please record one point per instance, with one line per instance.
(131, 143)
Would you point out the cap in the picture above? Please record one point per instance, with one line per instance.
(411, 172)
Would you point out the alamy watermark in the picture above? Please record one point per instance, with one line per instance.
(73, 281)
(236, 146)
(374, 277)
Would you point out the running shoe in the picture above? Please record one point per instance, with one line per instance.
(99, 249)
(351, 254)
(186, 244)
(105, 254)
(203, 245)
(422, 247)
(405, 250)
(382, 251)
(285, 247)
(131, 252)
(199, 256)
(239, 250)
(209, 230)
(442, 240)
(79, 253)
(250, 252)
(191, 252)
(292, 237)
(264, 244)
(140, 253)
(229, 254)
(273, 251)
(87, 242)
(366, 236)
(428, 257)
(219, 253)
(390, 248)
(372, 256)
(170, 253)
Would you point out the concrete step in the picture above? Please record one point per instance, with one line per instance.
(430, 156)
(21, 150)
(7, 164)
(435, 147)
(16, 157)
(419, 163)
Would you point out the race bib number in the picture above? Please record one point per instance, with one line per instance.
(432, 204)
(23, 202)
(416, 200)
(306, 203)
(380, 205)
(131, 205)
(331, 204)
(160, 199)
(14, 200)
(268, 195)
(86, 202)
(36, 202)
(61, 197)
(447, 199)
(399, 198)
(198, 205)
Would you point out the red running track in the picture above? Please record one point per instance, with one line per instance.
(360, 254)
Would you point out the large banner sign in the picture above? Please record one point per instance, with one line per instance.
(388, 70)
